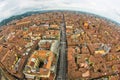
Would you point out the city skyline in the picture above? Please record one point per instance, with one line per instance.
(109, 9)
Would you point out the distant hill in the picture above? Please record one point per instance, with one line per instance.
(6, 21)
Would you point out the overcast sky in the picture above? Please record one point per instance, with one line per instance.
(105, 8)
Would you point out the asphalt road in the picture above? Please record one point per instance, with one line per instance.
(62, 65)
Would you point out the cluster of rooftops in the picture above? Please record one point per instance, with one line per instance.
(29, 48)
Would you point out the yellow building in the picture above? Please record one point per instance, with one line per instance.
(39, 64)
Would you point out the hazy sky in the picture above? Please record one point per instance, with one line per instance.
(105, 8)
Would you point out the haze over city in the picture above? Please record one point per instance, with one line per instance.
(105, 8)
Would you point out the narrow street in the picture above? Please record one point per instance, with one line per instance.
(62, 65)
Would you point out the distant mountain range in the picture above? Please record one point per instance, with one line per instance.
(6, 21)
